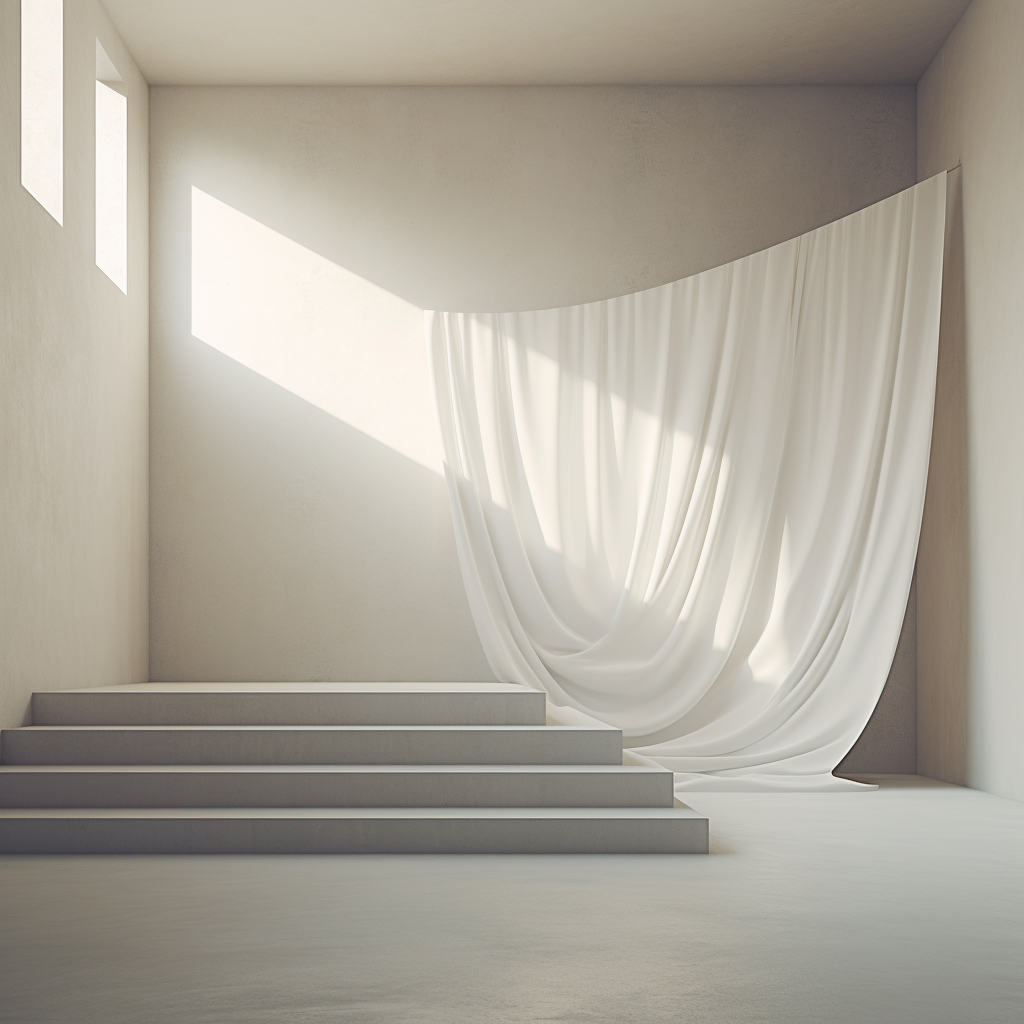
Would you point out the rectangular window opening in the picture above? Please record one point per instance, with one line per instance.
(42, 103)
(111, 171)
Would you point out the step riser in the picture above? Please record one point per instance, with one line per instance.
(328, 708)
(327, 836)
(318, 789)
(543, 745)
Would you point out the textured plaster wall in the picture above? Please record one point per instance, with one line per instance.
(971, 561)
(73, 397)
(299, 522)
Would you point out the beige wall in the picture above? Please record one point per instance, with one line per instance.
(971, 563)
(73, 397)
(300, 527)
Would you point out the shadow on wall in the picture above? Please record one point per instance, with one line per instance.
(888, 744)
(309, 485)
(944, 609)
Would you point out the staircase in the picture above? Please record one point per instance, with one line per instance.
(328, 768)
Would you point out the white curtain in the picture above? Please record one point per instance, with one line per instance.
(693, 512)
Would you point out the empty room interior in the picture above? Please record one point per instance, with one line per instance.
(511, 511)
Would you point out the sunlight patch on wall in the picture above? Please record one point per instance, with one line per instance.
(42, 103)
(336, 340)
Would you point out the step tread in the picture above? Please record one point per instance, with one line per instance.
(234, 813)
(289, 688)
(353, 769)
(273, 727)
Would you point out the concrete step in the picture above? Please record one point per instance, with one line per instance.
(292, 704)
(310, 744)
(335, 786)
(355, 830)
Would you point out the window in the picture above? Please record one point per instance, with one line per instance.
(111, 171)
(42, 103)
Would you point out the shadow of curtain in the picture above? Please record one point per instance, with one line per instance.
(943, 562)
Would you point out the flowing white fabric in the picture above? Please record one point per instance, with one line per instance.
(693, 512)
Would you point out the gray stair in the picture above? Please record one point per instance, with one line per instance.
(310, 744)
(328, 768)
(342, 785)
(356, 830)
(291, 704)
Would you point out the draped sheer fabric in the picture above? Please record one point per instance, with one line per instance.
(693, 512)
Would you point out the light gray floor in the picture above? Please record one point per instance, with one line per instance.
(903, 905)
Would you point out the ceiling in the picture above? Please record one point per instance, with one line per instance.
(532, 42)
